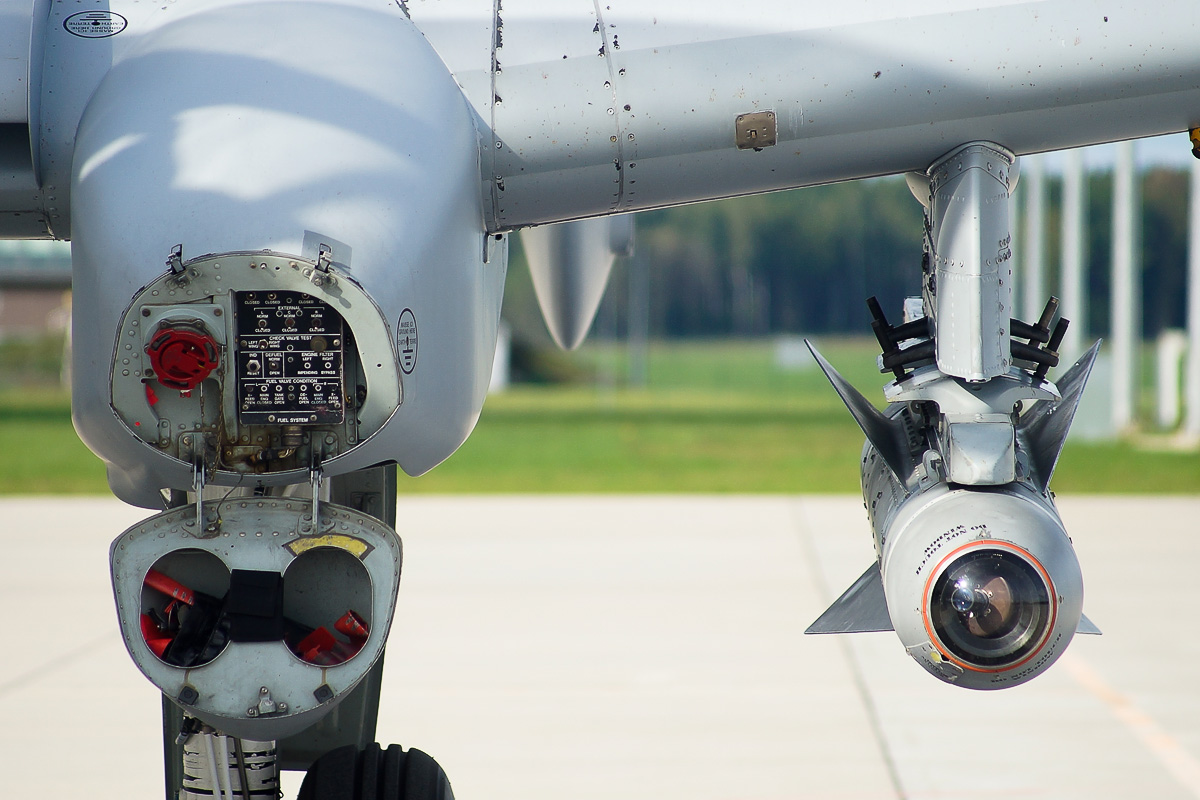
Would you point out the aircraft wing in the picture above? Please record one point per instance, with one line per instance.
(22, 201)
(587, 109)
(600, 108)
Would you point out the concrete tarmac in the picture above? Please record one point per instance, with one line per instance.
(649, 647)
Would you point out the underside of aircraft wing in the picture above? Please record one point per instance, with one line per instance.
(595, 110)
(586, 109)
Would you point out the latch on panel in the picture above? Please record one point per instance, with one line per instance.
(175, 260)
(755, 131)
(266, 706)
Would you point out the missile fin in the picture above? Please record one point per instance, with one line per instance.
(1087, 626)
(861, 609)
(1046, 426)
(887, 435)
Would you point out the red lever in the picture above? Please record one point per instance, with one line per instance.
(182, 357)
(352, 625)
(170, 587)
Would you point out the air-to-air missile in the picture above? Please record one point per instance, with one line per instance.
(974, 569)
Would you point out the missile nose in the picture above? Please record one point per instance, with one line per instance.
(990, 608)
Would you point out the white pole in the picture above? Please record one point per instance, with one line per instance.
(1126, 299)
(1074, 287)
(1170, 350)
(1033, 283)
(638, 328)
(1191, 422)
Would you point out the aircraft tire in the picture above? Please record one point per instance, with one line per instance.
(373, 773)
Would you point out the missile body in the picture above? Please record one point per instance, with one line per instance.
(974, 570)
(980, 582)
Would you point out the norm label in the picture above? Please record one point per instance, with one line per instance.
(95, 24)
(406, 341)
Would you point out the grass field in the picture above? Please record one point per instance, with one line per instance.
(713, 417)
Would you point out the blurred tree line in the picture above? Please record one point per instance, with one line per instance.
(804, 261)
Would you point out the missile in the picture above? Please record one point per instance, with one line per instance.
(974, 569)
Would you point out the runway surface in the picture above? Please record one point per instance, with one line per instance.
(650, 647)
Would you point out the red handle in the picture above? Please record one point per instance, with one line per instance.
(170, 587)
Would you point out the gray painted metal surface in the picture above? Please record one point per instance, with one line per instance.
(625, 127)
(969, 241)
(16, 33)
(930, 527)
(861, 609)
(886, 434)
(1045, 427)
(22, 33)
(987, 456)
(21, 215)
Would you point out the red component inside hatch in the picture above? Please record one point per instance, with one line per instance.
(182, 357)
(323, 649)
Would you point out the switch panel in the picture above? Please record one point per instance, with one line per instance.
(290, 360)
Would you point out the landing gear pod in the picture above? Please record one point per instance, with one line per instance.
(256, 618)
(293, 223)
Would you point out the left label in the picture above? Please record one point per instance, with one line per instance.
(406, 339)
(95, 24)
